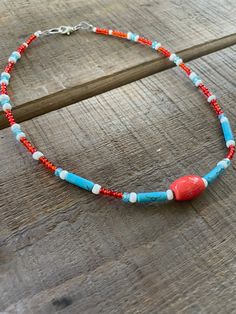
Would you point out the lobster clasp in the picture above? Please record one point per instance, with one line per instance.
(66, 30)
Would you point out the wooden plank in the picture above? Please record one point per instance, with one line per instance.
(61, 70)
(64, 249)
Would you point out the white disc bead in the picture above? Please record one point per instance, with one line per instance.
(170, 195)
(20, 135)
(15, 127)
(63, 174)
(172, 57)
(37, 155)
(96, 189)
(133, 197)
(6, 106)
(210, 98)
(205, 182)
(230, 143)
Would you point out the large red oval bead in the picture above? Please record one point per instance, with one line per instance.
(187, 187)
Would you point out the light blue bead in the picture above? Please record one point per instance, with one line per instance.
(15, 55)
(195, 79)
(58, 171)
(79, 181)
(226, 127)
(125, 197)
(13, 59)
(132, 36)
(176, 59)
(228, 162)
(17, 131)
(155, 44)
(151, 197)
(214, 173)
(4, 99)
(5, 77)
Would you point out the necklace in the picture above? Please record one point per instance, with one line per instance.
(184, 188)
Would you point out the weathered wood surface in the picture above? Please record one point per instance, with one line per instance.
(60, 71)
(65, 250)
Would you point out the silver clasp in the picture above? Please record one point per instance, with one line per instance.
(67, 30)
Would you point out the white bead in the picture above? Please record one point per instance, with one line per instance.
(210, 98)
(63, 174)
(179, 62)
(224, 119)
(129, 35)
(25, 44)
(133, 197)
(15, 127)
(222, 163)
(4, 81)
(170, 195)
(172, 57)
(94, 29)
(20, 135)
(37, 155)
(198, 82)
(6, 106)
(110, 31)
(192, 75)
(205, 182)
(230, 143)
(38, 33)
(11, 59)
(96, 189)
(6, 74)
(136, 38)
(157, 46)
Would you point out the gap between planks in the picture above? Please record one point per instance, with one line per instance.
(95, 87)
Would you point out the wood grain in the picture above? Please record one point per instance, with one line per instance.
(62, 70)
(64, 250)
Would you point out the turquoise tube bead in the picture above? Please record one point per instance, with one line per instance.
(151, 197)
(214, 173)
(79, 181)
(226, 127)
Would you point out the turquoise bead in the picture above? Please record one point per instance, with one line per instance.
(79, 181)
(58, 171)
(214, 173)
(226, 128)
(152, 197)
(15, 55)
(125, 197)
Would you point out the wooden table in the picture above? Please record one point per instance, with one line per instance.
(61, 249)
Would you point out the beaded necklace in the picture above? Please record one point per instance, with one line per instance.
(184, 188)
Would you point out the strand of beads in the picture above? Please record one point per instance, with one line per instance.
(184, 188)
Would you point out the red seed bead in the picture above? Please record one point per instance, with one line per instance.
(187, 187)
(28, 145)
(30, 39)
(10, 117)
(3, 88)
(47, 163)
(109, 192)
(186, 69)
(119, 34)
(164, 51)
(231, 152)
(145, 41)
(102, 31)
(9, 67)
